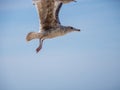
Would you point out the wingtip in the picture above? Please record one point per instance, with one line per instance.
(74, 1)
(35, 1)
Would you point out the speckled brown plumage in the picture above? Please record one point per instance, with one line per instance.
(50, 27)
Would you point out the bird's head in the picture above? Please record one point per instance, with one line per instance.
(72, 28)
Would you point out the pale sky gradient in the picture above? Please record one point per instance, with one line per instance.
(89, 60)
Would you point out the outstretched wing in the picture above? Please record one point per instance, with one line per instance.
(57, 7)
(48, 11)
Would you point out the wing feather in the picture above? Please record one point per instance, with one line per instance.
(57, 6)
(48, 11)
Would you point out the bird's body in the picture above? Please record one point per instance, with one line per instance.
(48, 11)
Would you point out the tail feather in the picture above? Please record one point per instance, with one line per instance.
(31, 35)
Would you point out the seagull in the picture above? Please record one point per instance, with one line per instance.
(50, 26)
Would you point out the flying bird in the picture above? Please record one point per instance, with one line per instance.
(50, 26)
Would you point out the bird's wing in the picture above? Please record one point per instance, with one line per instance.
(48, 11)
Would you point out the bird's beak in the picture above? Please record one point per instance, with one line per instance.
(77, 30)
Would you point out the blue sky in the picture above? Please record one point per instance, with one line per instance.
(89, 60)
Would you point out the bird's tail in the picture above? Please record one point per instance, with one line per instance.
(32, 35)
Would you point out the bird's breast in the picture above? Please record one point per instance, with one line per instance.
(54, 33)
